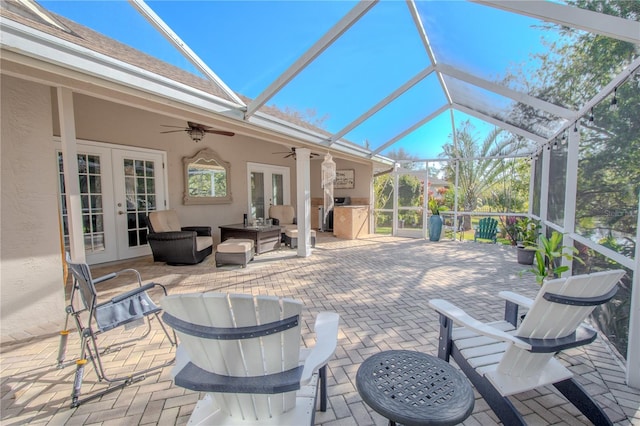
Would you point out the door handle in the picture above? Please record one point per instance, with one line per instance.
(120, 212)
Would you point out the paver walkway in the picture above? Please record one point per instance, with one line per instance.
(380, 287)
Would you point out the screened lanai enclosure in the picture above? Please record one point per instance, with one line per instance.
(486, 108)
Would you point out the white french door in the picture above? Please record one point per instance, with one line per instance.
(268, 185)
(117, 190)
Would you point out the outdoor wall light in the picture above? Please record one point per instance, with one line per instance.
(591, 118)
(614, 101)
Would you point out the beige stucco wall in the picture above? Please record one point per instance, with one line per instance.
(100, 120)
(31, 290)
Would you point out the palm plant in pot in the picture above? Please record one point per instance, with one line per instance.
(528, 230)
(548, 255)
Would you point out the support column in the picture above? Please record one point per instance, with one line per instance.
(633, 345)
(544, 186)
(70, 162)
(570, 192)
(303, 203)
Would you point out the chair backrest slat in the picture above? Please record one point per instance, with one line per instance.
(82, 278)
(247, 357)
(549, 320)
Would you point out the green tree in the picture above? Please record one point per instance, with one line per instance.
(477, 174)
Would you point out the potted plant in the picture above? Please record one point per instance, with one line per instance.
(527, 231)
(549, 252)
(435, 221)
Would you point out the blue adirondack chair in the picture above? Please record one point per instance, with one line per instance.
(487, 229)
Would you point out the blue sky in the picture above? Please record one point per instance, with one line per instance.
(249, 43)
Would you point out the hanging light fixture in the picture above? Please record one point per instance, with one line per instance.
(614, 101)
(196, 134)
(591, 118)
(575, 126)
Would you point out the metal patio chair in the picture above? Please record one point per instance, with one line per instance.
(501, 359)
(93, 318)
(244, 352)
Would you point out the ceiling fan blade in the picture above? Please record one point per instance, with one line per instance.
(173, 131)
(198, 126)
(291, 154)
(175, 127)
(219, 132)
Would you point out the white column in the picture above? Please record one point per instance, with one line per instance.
(544, 186)
(395, 217)
(570, 192)
(303, 203)
(633, 345)
(70, 162)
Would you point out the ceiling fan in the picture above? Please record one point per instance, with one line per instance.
(292, 153)
(196, 131)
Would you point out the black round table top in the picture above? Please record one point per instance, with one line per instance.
(413, 388)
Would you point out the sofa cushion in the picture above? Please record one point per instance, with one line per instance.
(235, 246)
(164, 221)
(203, 242)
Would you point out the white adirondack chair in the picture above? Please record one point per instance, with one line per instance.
(244, 351)
(502, 360)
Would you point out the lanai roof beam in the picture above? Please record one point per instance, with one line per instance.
(496, 122)
(574, 17)
(314, 51)
(395, 139)
(175, 40)
(508, 92)
(377, 107)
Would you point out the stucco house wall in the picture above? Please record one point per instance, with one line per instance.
(32, 290)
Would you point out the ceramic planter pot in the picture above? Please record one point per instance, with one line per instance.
(435, 227)
(526, 256)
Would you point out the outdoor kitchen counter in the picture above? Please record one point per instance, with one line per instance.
(350, 222)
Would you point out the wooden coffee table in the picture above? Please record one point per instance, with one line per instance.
(266, 237)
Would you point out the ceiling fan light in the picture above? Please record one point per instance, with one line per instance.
(196, 134)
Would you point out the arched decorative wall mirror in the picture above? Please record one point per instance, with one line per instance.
(207, 179)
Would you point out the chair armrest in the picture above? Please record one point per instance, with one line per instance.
(460, 317)
(172, 236)
(516, 298)
(104, 278)
(326, 329)
(116, 274)
(133, 292)
(202, 231)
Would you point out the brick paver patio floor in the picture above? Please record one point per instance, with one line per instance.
(380, 286)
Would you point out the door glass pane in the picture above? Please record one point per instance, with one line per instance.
(277, 193)
(257, 195)
(90, 180)
(140, 196)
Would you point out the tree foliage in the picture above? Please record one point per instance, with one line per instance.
(480, 178)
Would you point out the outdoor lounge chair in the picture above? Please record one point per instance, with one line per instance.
(283, 216)
(93, 318)
(501, 359)
(487, 229)
(244, 351)
(175, 244)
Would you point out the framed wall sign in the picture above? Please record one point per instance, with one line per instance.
(345, 179)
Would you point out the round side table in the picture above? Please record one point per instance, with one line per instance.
(413, 388)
